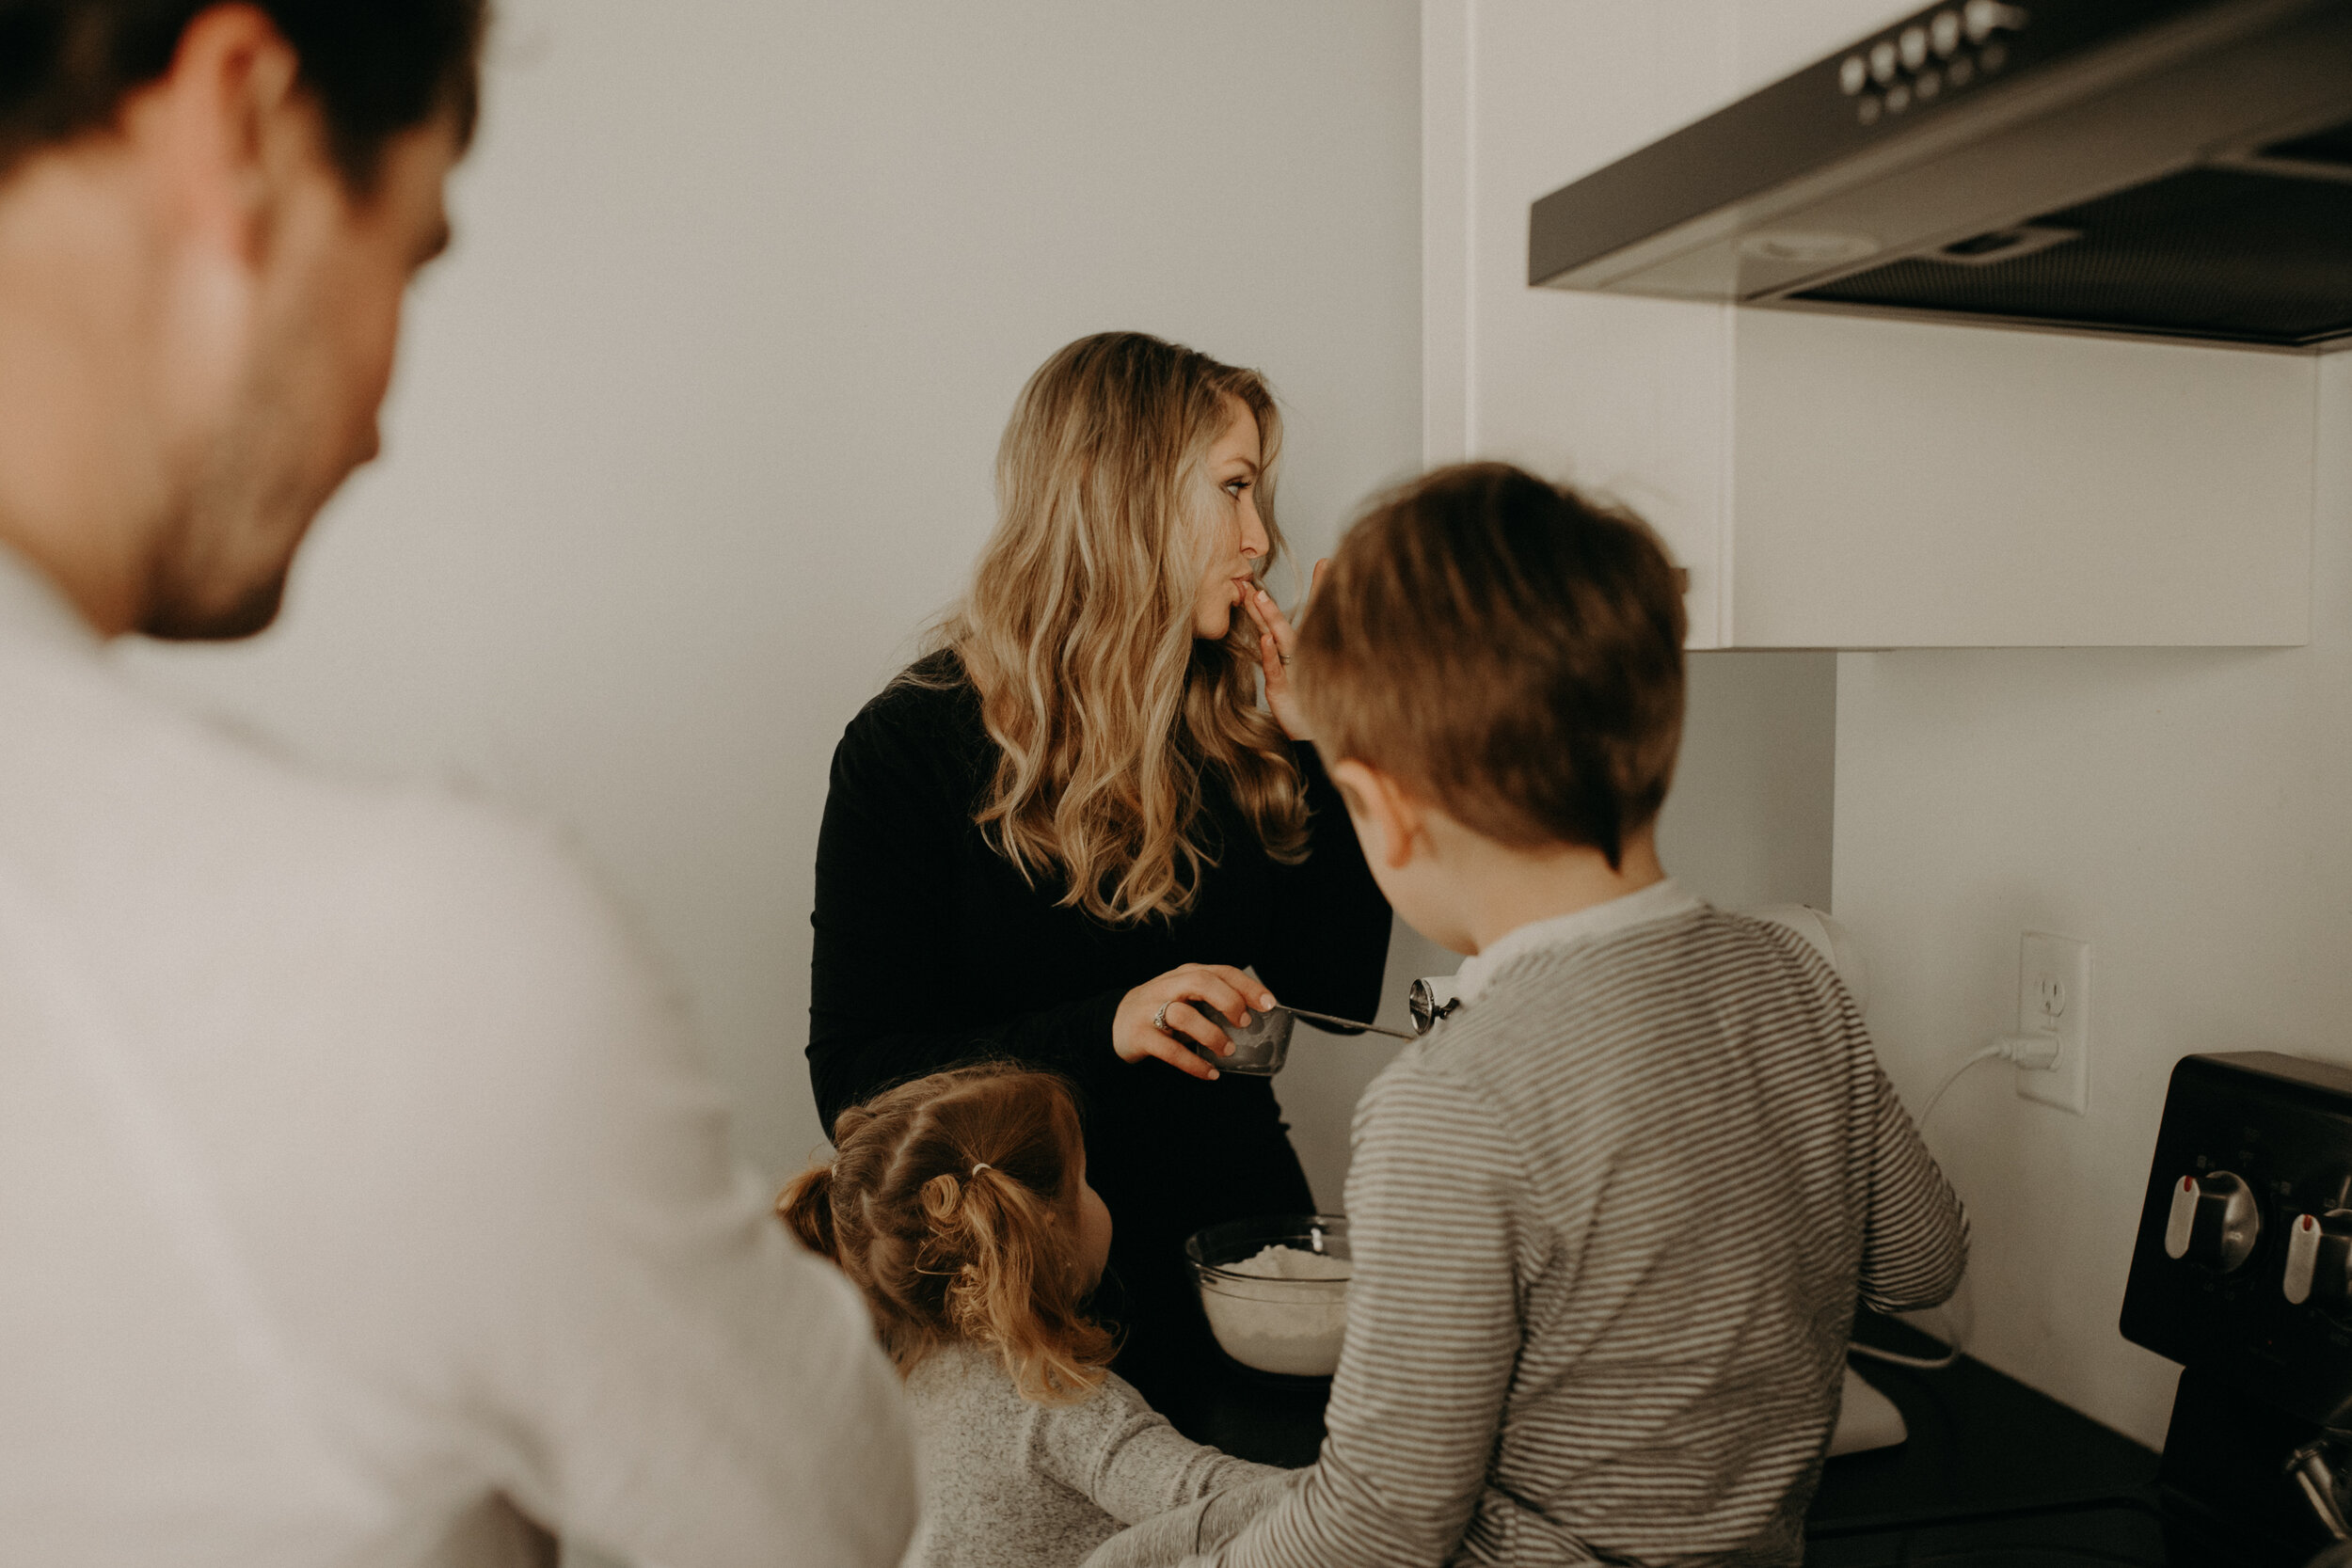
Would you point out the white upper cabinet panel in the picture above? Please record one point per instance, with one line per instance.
(1830, 481)
(1623, 396)
(1900, 484)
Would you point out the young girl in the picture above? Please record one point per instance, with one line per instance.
(959, 1204)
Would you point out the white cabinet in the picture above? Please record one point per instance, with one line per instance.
(1831, 481)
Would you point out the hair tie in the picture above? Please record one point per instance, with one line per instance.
(982, 1166)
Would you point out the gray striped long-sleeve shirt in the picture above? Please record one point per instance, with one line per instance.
(1610, 1223)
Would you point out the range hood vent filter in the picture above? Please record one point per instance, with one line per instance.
(2218, 253)
(2174, 169)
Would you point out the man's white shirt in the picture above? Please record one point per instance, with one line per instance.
(356, 1172)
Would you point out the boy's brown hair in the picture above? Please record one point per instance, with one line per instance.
(1507, 647)
(952, 1202)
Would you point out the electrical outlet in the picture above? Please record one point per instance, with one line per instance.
(2054, 996)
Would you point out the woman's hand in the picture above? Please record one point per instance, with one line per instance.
(1189, 995)
(1276, 637)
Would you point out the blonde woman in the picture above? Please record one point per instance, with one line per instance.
(1063, 835)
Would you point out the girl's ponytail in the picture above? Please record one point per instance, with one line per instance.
(952, 1201)
(990, 1293)
(807, 1206)
(1012, 1287)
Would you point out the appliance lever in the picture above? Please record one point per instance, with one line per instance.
(2317, 1478)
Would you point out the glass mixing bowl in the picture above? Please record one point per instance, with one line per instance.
(1284, 1313)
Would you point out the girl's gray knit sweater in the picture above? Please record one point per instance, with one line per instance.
(1011, 1484)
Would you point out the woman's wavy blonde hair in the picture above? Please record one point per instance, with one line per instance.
(1077, 632)
(952, 1202)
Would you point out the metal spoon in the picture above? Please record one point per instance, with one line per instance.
(1346, 1023)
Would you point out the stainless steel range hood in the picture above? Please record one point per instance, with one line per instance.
(2178, 168)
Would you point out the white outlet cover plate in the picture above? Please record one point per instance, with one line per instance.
(2042, 958)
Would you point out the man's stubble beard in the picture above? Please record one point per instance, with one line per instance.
(173, 618)
(219, 569)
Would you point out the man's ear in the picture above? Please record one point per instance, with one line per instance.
(225, 128)
(1387, 816)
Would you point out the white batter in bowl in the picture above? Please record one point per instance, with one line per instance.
(1274, 1291)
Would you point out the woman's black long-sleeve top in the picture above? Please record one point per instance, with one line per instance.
(933, 949)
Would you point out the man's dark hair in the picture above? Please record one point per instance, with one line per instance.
(376, 68)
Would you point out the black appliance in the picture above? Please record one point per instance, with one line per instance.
(2242, 1271)
(2159, 167)
(2243, 1274)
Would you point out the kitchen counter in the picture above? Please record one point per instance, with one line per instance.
(1979, 1440)
(1990, 1468)
(1981, 1444)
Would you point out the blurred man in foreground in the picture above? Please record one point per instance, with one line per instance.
(360, 1198)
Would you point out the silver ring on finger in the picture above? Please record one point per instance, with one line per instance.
(1159, 1019)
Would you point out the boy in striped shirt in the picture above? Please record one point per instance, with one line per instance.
(1612, 1216)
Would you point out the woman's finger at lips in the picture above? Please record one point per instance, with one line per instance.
(1270, 616)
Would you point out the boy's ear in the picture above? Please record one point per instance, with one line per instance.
(1387, 816)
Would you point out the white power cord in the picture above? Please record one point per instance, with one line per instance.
(2036, 1052)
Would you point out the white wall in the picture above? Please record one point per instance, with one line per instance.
(2186, 811)
(694, 431)
(1749, 820)
(694, 427)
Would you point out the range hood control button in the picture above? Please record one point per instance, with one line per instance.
(2214, 1224)
(1984, 18)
